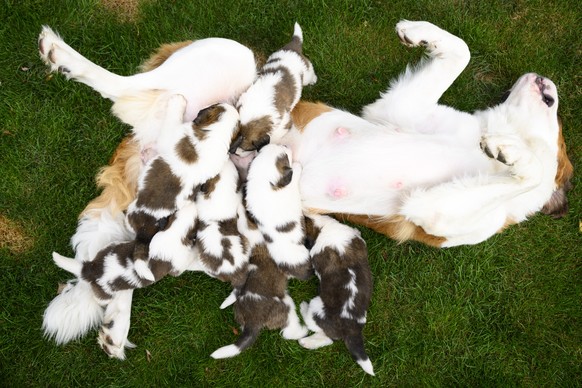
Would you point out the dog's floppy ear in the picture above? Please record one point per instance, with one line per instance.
(208, 115)
(557, 205)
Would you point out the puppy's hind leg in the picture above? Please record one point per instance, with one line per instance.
(294, 329)
(113, 333)
(64, 59)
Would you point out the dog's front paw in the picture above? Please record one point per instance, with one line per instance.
(413, 34)
(503, 148)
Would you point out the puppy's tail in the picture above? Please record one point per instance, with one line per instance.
(296, 43)
(355, 345)
(72, 313)
(245, 340)
(71, 265)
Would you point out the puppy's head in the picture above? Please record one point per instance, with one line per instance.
(273, 165)
(218, 122)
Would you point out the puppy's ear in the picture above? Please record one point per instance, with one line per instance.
(238, 139)
(261, 142)
(286, 177)
(208, 116)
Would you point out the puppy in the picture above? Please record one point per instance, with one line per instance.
(340, 260)
(274, 203)
(265, 108)
(189, 154)
(262, 302)
(223, 248)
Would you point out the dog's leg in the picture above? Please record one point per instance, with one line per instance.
(294, 328)
(470, 210)
(113, 333)
(419, 88)
(61, 57)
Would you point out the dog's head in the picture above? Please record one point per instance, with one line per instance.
(273, 165)
(218, 122)
(531, 110)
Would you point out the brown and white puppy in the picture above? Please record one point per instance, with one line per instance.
(273, 201)
(262, 303)
(224, 250)
(265, 107)
(340, 260)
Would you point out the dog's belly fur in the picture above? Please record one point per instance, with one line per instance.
(348, 161)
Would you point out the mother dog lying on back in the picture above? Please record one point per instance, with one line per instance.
(408, 167)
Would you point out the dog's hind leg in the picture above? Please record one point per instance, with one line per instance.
(113, 333)
(63, 58)
(420, 87)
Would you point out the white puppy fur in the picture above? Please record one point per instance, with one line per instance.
(461, 177)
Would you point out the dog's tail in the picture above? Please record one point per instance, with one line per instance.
(245, 340)
(72, 313)
(355, 345)
(71, 265)
(296, 43)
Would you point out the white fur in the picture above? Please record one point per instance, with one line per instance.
(72, 313)
(410, 156)
(226, 352)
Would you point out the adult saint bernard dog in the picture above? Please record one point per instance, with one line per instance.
(408, 167)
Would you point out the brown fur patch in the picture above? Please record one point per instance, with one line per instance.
(161, 187)
(186, 150)
(305, 111)
(118, 180)
(205, 118)
(285, 171)
(395, 227)
(162, 54)
(286, 228)
(208, 187)
(557, 205)
(13, 237)
(255, 133)
(285, 91)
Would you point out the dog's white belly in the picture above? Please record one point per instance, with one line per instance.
(353, 166)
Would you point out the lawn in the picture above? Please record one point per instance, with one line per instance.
(506, 312)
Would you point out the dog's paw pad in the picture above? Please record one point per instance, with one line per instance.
(417, 33)
(501, 148)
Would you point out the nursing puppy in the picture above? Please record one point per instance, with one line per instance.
(189, 154)
(340, 260)
(275, 230)
(265, 108)
(224, 250)
(274, 203)
(262, 303)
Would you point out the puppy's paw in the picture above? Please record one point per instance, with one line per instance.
(294, 332)
(413, 34)
(109, 346)
(315, 341)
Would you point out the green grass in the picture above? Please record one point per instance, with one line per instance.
(505, 312)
